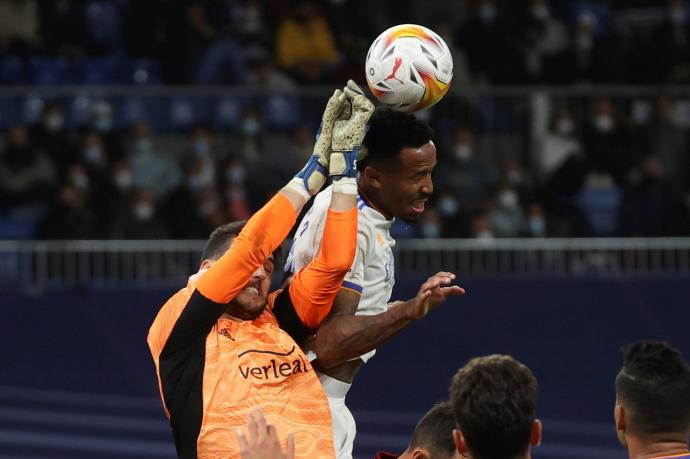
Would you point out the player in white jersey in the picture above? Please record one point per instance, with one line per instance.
(394, 181)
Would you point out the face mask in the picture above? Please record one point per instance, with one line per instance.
(565, 127)
(80, 180)
(541, 12)
(143, 211)
(508, 199)
(236, 175)
(142, 146)
(430, 230)
(463, 152)
(123, 180)
(103, 123)
(208, 207)
(515, 177)
(54, 122)
(484, 235)
(603, 123)
(584, 42)
(487, 13)
(536, 226)
(93, 154)
(448, 206)
(201, 147)
(250, 127)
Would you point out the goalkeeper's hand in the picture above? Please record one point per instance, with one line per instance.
(311, 178)
(348, 133)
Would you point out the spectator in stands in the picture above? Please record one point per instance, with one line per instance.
(305, 46)
(115, 214)
(645, 200)
(236, 202)
(263, 72)
(27, 175)
(153, 169)
(204, 150)
(63, 27)
(652, 411)
(546, 44)
(554, 151)
(481, 227)
(452, 219)
(609, 146)
(19, 32)
(506, 216)
(432, 437)
(69, 216)
(668, 143)
(494, 399)
(463, 172)
(669, 48)
(101, 121)
(590, 57)
(144, 222)
(599, 202)
(487, 42)
(50, 136)
(535, 226)
(430, 224)
(182, 206)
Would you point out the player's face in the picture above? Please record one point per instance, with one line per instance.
(251, 301)
(406, 187)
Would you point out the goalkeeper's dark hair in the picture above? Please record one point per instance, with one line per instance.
(389, 132)
(654, 388)
(220, 239)
(493, 398)
(435, 431)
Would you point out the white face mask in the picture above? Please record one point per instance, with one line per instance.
(250, 127)
(508, 199)
(541, 12)
(93, 154)
(603, 123)
(123, 180)
(143, 146)
(54, 122)
(536, 226)
(235, 175)
(487, 13)
(80, 180)
(430, 230)
(201, 147)
(484, 235)
(143, 211)
(463, 152)
(448, 206)
(678, 15)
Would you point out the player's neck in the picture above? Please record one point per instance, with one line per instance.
(370, 197)
(660, 447)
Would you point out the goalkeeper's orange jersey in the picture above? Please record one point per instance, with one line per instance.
(212, 368)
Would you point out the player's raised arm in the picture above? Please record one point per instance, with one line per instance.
(344, 336)
(313, 288)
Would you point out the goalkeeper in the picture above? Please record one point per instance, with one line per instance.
(223, 344)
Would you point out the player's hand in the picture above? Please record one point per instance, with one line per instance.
(435, 291)
(349, 131)
(315, 172)
(263, 442)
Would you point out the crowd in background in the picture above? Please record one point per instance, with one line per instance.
(599, 166)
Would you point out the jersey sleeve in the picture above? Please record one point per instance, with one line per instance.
(354, 279)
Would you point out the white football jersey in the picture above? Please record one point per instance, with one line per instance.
(372, 273)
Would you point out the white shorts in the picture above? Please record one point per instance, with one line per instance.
(344, 427)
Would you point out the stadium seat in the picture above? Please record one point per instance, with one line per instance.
(17, 228)
(100, 71)
(187, 111)
(150, 109)
(47, 71)
(280, 112)
(142, 72)
(12, 71)
(227, 112)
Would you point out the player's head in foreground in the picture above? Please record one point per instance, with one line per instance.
(493, 398)
(250, 302)
(395, 175)
(433, 436)
(653, 400)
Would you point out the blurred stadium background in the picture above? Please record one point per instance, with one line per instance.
(129, 129)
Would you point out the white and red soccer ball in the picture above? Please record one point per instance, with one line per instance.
(409, 67)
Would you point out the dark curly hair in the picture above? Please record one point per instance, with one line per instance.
(654, 388)
(220, 239)
(435, 431)
(389, 132)
(493, 398)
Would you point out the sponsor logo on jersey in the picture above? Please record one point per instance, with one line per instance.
(280, 366)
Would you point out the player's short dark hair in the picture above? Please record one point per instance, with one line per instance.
(493, 398)
(654, 388)
(219, 241)
(435, 431)
(389, 132)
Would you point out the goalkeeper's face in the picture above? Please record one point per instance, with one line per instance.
(251, 301)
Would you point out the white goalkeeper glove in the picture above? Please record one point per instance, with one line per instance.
(311, 178)
(348, 134)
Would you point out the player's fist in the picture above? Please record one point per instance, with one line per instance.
(432, 293)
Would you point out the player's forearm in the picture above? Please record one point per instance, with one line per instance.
(342, 338)
(263, 233)
(297, 200)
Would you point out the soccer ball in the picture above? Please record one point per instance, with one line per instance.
(409, 67)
